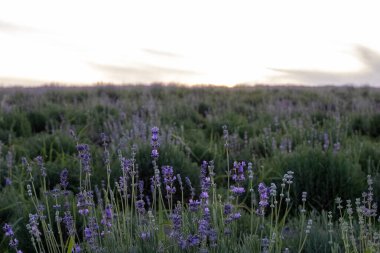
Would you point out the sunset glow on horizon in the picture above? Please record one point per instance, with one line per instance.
(195, 42)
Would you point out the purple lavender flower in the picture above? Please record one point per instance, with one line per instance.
(147, 201)
(144, 236)
(8, 230)
(140, 206)
(182, 243)
(180, 182)
(203, 227)
(204, 195)
(91, 234)
(41, 209)
(194, 205)
(167, 172)
(238, 172)
(76, 249)
(87, 233)
(176, 219)
(227, 208)
(125, 165)
(69, 223)
(26, 164)
(84, 156)
(264, 196)
(141, 188)
(236, 216)
(40, 163)
(63, 178)
(8, 181)
(204, 166)
(213, 236)
(237, 190)
(33, 226)
(84, 201)
(13, 242)
(193, 240)
(106, 220)
(155, 143)
(155, 154)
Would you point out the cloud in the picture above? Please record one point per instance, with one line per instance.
(5, 81)
(11, 27)
(370, 74)
(141, 73)
(160, 53)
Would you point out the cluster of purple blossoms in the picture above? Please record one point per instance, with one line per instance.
(32, 227)
(264, 196)
(194, 205)
(145, 235)
(230, 216)
(69, 223)
(204, 228)
(140, 206)
(76, 249)
(9, 159)
(8, 181)
(26, 165)
(191, 241)
(91, 234)
(125, 165)
(154, 143)
(107, 219)
(64, 179)
(40, 211)
(167, 173)
(141, 188)
(13, 243)
(238, 172)
(205, 182)
(180, 182)
(85, 200)
(239, 177)
(176, 219)
(123, 186)
(237, 190)
(84, 156)
(40, 163)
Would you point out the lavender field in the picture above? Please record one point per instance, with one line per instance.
(203, 169)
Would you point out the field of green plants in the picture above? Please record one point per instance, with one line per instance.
(175, 169)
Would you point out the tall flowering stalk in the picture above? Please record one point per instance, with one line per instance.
(167, 173)
(226, 146)
(155, 144)
(157, 181)
(84, 158)
(13, 242)
(252, 192)
(238, 177)
(106, 160)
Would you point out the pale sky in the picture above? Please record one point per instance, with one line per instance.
(190, 42)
